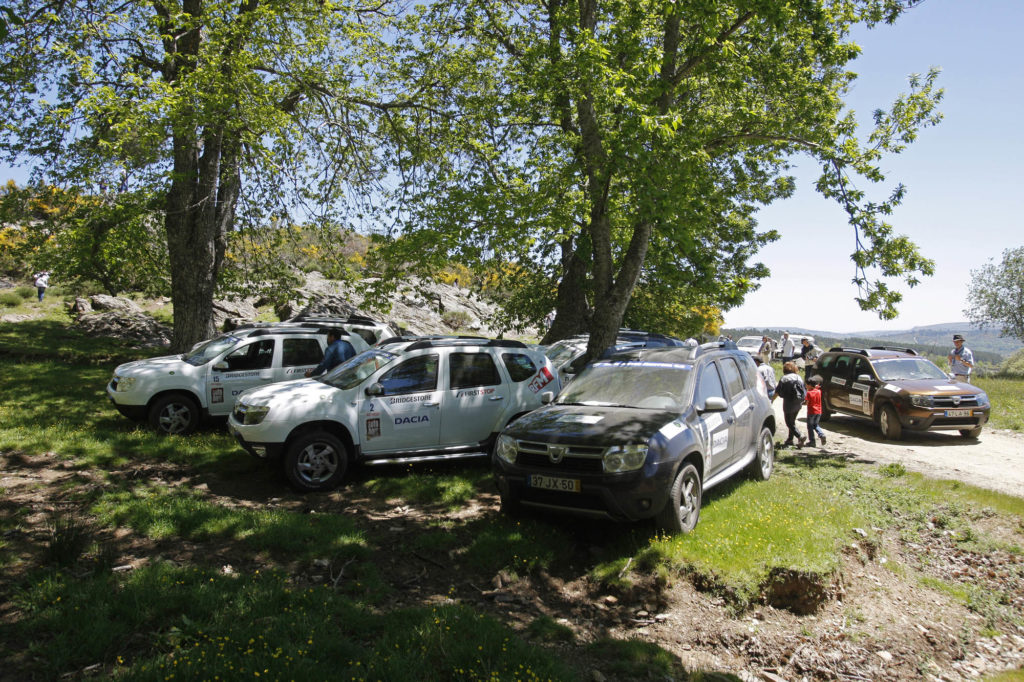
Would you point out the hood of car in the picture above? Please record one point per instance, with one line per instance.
(590, 425)
(931, 387)
(161, 366)
(292, 393)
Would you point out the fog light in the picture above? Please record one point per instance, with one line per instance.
(645, 504)
(260, 450)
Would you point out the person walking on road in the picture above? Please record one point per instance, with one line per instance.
(813, 402)
(42, 281)
(338, 351)
(961, 360)
(767, 374)
(791, 390)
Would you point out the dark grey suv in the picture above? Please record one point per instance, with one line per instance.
(641, 435)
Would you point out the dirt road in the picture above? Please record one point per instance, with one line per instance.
(994, 461)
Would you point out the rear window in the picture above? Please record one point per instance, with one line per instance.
(520, 367)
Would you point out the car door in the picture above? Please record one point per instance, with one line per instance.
(837, 387)
(405, 416)
(861, 391)
(741, 406)
(474, 401)
(299, 354)
(247, 365)
(714, 426)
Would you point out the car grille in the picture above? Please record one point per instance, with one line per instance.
(953, 402)
(575, 458)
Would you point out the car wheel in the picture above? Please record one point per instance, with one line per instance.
(316, 461)
(174, 414)
(889, 423)
(763, 465)
(681, 511)
(971, 433)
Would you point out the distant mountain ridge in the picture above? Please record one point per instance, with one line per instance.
(986, 341)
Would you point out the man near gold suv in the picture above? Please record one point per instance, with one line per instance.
(961, 360)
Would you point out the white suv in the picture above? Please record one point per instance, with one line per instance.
(176, 392)
(422, 398)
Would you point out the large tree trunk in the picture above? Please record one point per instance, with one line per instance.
(572, 310)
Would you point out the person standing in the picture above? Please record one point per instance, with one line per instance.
(42, 281)
(791, 390)
(788, 348)
(767, 374)
(961, 360)
(765, 351)
(813, 402)
(809, 354)
(338, 351)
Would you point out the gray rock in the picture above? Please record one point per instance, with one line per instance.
(105, 302)
(126, 325)
(80, 305)
(238, 311)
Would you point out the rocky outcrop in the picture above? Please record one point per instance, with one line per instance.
(229, 314)
(116, 303)
(126, 325)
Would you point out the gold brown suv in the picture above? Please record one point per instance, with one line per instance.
(899, 390)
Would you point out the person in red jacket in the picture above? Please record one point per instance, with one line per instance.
(813, 402)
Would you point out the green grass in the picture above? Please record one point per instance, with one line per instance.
(749, 531)
(1007, 396)
(310, 598)
(164, 620)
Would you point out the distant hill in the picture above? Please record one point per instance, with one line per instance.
(934, 339)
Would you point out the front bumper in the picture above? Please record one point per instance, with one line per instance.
(256, 448)
(629, 496)
(131, 411)
(925, 419)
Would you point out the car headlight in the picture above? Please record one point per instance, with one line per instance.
(983, 398)
(922, 401)
(507, 449)
(620, 458)
(254, 414)
(125, 383)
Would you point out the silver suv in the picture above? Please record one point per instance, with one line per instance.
(175, 393)
(405, 399)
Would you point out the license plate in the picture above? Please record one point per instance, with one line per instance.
(569, 485)
(958, 413)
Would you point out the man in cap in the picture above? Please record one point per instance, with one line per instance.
(961, 360)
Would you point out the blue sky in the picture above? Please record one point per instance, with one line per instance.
(965, 196)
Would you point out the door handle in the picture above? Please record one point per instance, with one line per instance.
(428, 403)
(497, 397)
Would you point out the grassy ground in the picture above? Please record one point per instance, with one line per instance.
(309, 596)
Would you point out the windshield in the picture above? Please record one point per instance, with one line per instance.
(203, 353)
(562, 354)
(908, 368)
(645, 385)
(354, 371)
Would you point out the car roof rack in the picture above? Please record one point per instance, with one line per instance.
(898, 349)
(845, 349)
(465, 341)
(298, 329)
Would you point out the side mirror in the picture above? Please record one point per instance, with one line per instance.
(714, 404)
(374, 389)
(221, 366)
(865, 378)
(546, 397)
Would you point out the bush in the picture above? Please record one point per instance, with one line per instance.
(456, 319)
(10, 300)
(26, 291)
(1014, 365)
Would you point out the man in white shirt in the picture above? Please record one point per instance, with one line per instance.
(961, 360)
